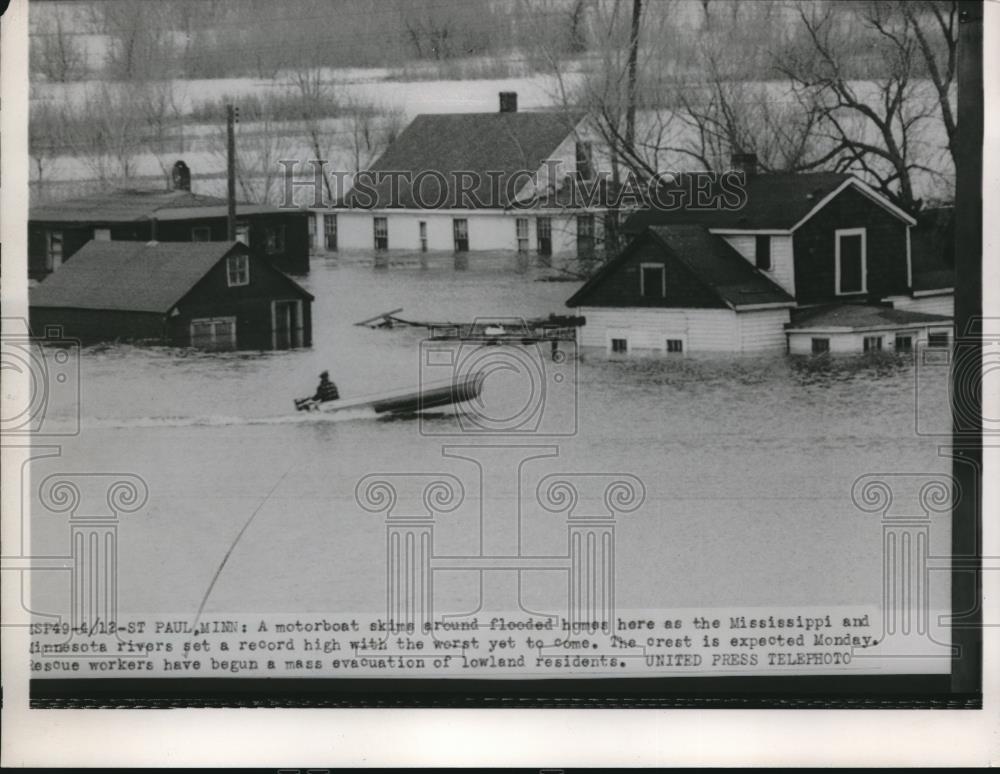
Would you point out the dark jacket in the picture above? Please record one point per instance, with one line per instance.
(327, 390)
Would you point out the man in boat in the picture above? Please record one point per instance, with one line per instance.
(327, 390)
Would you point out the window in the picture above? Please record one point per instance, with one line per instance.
(675, 346)
(54, 250)
(102, 234)
(937, 339)
(330, 232)
(521, 226)
(544, 228)
(214, 333)
(850, 261)
(904, 343)
(274, 239)
(585, 236)
(820, 346)
(201, 234)
(381, 234)
(652, 281)
(619, 345)
(584, 161)
(286, 324)
(243, 233)
(762, 252)
(873, 344)
(461, 227)
(237, 270)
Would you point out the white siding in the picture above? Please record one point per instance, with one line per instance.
(943, 304)
(782, 256)
(487, 230)
(701, 330)
(852, 342)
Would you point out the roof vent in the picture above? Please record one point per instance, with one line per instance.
(508, 101)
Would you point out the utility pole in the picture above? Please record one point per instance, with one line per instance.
(633, 76)
(231, 171)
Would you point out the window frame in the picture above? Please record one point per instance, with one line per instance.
(908, 337)
(196, 230)
(460, 233)
(837, 273)
(589, 238)
(663, 279)
(613, 347)
(328, 219)
(214, 322)
(765, 239)
(523, 240)
(543, 231)
(937, 335)
(53, 236)
(383, 233)
(241, 261)
(873, 343)
(824, 348)
(680, 346)
(274, 239)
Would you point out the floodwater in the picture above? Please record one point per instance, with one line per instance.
(747, 463)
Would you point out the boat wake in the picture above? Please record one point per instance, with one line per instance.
(346, 415)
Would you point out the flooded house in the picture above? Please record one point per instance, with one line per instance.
(57, 231)
(762, 276)
(467, 182)
(208, 295)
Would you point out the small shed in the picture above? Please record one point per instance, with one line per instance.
(209, 295)
(865, 329)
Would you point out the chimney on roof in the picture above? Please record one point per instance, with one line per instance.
(181, 176)
(508, 101)
(745, 163)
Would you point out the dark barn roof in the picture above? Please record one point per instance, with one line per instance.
(132, 276)
(773, 201)
(128, 205)
(858, 316)
(500, 143)
(711, 259)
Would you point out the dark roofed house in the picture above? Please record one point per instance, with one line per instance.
(822, 239)
(459, 183)
(57, 231)
(932, 251)
(211, 295)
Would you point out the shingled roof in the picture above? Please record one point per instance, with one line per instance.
(130, 276)
(128, 205)
(773, 201)
(711, 259)
(860, 317)
(498, 144)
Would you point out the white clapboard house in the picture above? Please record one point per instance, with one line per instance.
(470, 182)
(772, 275)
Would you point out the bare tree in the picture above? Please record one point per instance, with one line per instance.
(46, 125)
(55, 52)
(369, 129)
(138, 44)
(261, 142)
(105, 131)
(879, 126)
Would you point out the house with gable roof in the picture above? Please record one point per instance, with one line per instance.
(715, 279)
(467, 182)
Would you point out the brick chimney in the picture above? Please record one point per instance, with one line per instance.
(745, 163)
(508, 101)
(181, 176)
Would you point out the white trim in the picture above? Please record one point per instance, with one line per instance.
(663, 277)
(934, 292)
(296, 333)
(224, 319)
(909, 261)
(229, 274)
(867, 191)
(837, 234)
(755, 307)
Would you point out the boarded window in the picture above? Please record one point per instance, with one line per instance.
(937, 339)
(675, 346)
(381, 234)
(762, 252)
(214, 333)
(850, 256)
(904, 343)
(201, 234)
(544, 227)
(330, 232)
(652, 281)
(461, 228)
(873, 344)
(820, 346)
(585, 236)
(237, 270)
(274, 239)
(619, 345)
(521, 227)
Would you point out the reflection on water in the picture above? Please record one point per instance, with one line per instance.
(748, 463)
